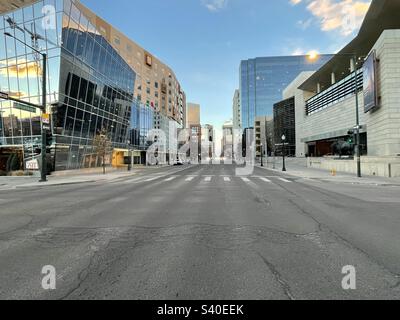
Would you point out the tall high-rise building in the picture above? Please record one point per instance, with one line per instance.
(92, 86)
(156, 84)
(237, 116)
(262, 81)
(193, 115)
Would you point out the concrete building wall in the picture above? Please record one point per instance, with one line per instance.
(382, 125)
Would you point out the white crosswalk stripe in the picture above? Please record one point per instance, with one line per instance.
(170, 179)
(248, 180)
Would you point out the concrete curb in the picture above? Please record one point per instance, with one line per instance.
(338, 180)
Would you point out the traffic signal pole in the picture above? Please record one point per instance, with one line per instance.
(43, 169)
(43, 172)
(358, 139)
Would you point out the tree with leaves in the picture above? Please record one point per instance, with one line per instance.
(102, 145)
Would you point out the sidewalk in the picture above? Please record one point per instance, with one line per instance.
(71, 177)
(295, 169)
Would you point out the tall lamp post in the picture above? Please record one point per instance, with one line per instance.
(283, 152)
(43, 169)
(314, 56)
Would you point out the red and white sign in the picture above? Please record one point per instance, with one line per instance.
(32, 165)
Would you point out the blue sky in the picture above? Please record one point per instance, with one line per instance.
(203, 41)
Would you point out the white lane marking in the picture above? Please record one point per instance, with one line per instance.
(227, 179)
(189, 178)
(246, 179)
(207, 179)
(265, 180)
(170, 179)
(285, 180)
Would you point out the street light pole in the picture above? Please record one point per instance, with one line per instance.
(262, 160)
(43, 169)
(284, 152)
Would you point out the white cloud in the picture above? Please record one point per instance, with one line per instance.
(215, 5)
(345, 16)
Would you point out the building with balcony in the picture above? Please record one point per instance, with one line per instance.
(90, 87)
(157, 85)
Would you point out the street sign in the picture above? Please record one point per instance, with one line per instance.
(46, 121)
(4, 95)
(46, 118)
(24, 107)
(32, 165)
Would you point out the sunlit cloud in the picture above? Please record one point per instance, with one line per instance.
(345, 16)
(23, 70)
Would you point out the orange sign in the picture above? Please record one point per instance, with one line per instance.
(46, 118)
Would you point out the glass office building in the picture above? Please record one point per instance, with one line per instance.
(262, 81)
(90, 87)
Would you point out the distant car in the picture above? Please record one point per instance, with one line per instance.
(179, 163)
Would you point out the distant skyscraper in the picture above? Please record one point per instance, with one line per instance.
(193, 114)
(227, 139)
(262, 81)
(237, 123)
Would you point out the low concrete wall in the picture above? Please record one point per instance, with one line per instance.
(370, 166)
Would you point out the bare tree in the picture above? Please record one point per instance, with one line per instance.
(102, 145)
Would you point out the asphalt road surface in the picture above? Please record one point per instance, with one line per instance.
(201, 232)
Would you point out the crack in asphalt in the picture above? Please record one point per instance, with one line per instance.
(278, 277)
(333, 233)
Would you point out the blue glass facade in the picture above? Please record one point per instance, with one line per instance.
(90, 87)
(262, 81)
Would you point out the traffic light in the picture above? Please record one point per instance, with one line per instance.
(351, 138)
(49, 140)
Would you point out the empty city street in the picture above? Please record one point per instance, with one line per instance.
(201, 232)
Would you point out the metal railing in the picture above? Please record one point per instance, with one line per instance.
(334, 94)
